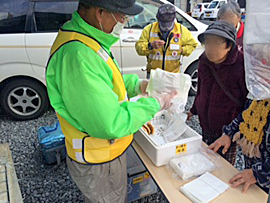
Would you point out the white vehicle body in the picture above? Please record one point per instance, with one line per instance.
(24, 51)
(199, 9)
(212, 10)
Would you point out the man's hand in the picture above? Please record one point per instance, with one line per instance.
(246, 177)
(165, 100)
(157, 44)
(189, 115)
(224, 141)
(143, 86)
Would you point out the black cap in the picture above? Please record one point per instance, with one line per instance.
(222, 29)
(166, 16)
(127, 7)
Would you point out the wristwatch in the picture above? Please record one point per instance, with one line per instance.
(150, 46)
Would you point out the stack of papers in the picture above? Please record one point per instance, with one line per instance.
(204, 189)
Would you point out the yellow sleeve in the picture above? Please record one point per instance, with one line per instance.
(189, 44)
(142, 45)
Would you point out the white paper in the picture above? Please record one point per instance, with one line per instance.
(204, 189)
(174, 47)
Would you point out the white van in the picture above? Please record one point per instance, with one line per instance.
(199, 9)
(212, 10)
(27, 31)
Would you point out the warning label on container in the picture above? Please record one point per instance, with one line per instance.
(181, 149)
(137, 180)
(146, 175)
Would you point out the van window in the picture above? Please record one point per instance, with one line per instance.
(185, 22)
(206, 5)
(144, 18)
(242, 3)
(198, 6)
(13, 16)
(213, 4)
(50, 16)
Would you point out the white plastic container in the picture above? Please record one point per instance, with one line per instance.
(168, 127)
(160, 155)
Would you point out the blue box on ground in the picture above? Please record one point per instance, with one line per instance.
(140, 183)
(52, 143)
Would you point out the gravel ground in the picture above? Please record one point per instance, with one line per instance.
(43, 183)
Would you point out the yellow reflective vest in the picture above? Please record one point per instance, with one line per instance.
(179, 42)
(82, 147)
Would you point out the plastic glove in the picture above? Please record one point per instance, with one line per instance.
(143, 86)
(165, 100)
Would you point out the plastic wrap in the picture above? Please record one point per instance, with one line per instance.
(176, 127)
(168, 127)
(163, 82)
(257, 49)
(195, 164)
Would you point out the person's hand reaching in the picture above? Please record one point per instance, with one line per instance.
(165, 100)
(143, 87)
(245, 178)
(224, 141)
(189, 114)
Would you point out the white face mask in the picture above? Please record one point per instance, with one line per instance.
(118, 28)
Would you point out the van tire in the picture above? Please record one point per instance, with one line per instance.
(202, 17)
(192, 70)
(24, 99)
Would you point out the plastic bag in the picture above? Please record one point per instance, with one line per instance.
(195, 164)
(257, 49)
(176, 127)
(163, 82)
(257, 64)
(257, 22)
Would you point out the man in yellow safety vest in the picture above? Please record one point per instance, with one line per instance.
(165, 41)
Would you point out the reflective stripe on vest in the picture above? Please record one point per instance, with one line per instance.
(154, 35)
(167, 58)
(81, 147)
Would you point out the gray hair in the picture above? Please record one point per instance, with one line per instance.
(231, 6)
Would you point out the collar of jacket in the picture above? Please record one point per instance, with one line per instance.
(240, 32)
(230, 59)
(104, 39)
(174, 30)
